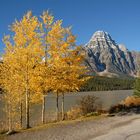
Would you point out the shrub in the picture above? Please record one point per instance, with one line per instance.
(87, 104)
(130, 104)
(131, 100)
(74, 113)
(117, 108)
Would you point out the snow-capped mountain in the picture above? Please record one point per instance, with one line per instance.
(106, 57)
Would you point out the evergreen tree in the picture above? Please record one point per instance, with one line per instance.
(137, 87)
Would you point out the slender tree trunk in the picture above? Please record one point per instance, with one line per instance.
(57, 107)
(21, 114)
(7, 114)
(27, 109)
(43, 109)
(9, 119)
(43, 100)
(63, 107)
(27, 95)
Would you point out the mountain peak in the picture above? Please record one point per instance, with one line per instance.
(101, 35)
(104, 55)
(101, 39)
(100, 32)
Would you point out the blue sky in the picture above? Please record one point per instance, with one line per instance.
(120, 18)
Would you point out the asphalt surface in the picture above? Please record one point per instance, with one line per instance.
(130, 131)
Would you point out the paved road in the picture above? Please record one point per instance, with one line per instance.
(130, 131)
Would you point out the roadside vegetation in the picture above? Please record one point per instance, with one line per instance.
(131, 104)
(86, 106)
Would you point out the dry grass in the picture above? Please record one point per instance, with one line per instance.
(131, 100)
(60, 123)
(54, 127)
(3, 127)
(74, 113)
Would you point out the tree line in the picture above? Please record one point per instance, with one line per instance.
(98, 83)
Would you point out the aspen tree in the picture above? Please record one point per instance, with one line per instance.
(10, 85)
(66, 59)
(47, 21)
(27, 54)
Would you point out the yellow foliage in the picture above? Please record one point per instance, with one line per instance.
(23, 54)
(66, 60)
(41, 56)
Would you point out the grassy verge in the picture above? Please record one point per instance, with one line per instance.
(65, 122)
(57, 124)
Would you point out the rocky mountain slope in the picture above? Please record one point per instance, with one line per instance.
(106, 57)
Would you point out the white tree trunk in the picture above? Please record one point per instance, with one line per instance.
(63, 107)
(57, 107)
(27, 108)
(43, 109)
